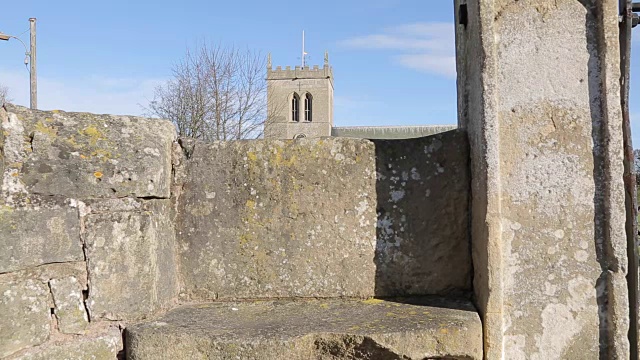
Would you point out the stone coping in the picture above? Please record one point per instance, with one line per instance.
(305, 329)
(390, 132)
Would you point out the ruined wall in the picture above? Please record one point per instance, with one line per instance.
(85, 230)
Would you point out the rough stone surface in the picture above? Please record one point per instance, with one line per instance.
(318, 329)
(423, 198)
(69, 304)
(542, 109)
(81, 155)
(24, 312)
(132, 249)
(36, 236)
(104, 346)
(278, 219)
(27, 299)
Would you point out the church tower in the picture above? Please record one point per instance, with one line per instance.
(299, 101)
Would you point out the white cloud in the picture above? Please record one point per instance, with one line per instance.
(96, 93)
(426, 47)
(437, 64)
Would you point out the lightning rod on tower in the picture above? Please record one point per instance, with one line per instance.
(304, 54)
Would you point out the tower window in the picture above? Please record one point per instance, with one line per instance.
(295, 108)
(308, 103)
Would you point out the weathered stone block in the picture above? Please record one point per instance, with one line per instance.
(423, 215)
(131, 261)
(81, 155)
(69, 304)
(36, 236)
(24, 312)
(542, 110)
(29, 297)
(278, 218)
(317, 329)
(105, 346)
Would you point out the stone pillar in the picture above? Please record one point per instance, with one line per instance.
(539, 96)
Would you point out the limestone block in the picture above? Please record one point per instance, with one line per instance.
(36, 236)
(28, 297)
(69, 304)
(24, 312)
(104, 346)
(83, 155)
(542, 111)
(132, 250)
(423, 233)
(316, 329)
(278, 219)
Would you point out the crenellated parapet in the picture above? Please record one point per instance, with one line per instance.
(298, 72)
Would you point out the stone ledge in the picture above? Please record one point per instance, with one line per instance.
(322, 329)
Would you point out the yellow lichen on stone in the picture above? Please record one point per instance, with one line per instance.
(42, 128)
(93, 133)
(252, 156)
(251, 204)
(97, 174)
(5, 209)
(372, 301)
(71, 141)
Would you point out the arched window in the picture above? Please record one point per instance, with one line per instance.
(295, 108)
(308, 103)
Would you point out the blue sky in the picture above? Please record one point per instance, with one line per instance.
(393, 60)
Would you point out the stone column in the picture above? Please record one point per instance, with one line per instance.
(539, 96)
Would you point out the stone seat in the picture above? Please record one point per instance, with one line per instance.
(311, 329)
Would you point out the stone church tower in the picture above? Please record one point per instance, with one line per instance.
(299, 101)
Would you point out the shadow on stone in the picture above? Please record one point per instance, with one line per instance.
(422, 191)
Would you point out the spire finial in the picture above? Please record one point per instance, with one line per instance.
(326, 58)
(269, 61)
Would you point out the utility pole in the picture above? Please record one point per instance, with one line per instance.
(33, 76)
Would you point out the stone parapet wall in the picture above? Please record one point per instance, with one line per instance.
(86, 231)
(107, 221)
(278, 219)
(328, 217)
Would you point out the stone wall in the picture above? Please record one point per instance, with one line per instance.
(86, 231)
(110, 220)
(423, 221)
(277, 219)
(298, 218)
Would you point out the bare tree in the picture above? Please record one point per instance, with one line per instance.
(216, 93)
(4, 95)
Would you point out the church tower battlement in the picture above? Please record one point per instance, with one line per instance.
(299, 101)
